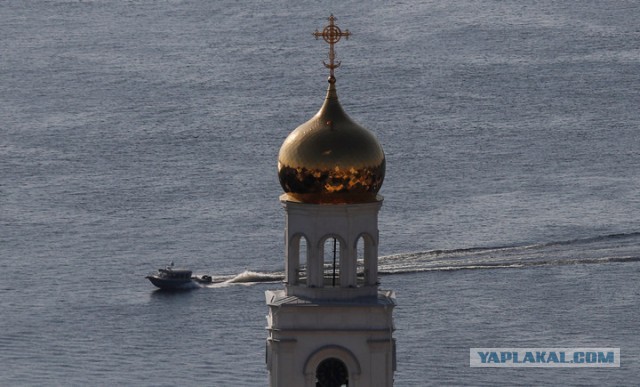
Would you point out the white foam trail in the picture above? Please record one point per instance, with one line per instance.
(247, 277)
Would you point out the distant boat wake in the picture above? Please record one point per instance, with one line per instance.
(620, 248)
(593, 250)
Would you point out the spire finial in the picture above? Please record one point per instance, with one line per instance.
(332, 34)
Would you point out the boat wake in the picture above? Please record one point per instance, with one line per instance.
(441, 266)
(245, 278)
(614, 248)
(593, 250)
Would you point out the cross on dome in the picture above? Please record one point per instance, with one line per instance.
(332, 35)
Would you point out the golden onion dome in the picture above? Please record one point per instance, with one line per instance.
(331, 159)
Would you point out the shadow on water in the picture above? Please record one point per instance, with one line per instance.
(176, 294)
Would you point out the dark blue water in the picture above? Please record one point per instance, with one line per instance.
(133, 133)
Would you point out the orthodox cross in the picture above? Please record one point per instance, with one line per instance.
(332, 34)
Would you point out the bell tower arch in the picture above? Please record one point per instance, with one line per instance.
(332, 365)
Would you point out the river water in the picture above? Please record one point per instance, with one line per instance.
(134, 133)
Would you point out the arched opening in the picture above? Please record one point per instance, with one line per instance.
(332, 372)
(360, 268)
(331, 261)
(302, 261)
(296, 264)
(341, 354)
(367, 261)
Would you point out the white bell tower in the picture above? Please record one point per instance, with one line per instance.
(331, 325)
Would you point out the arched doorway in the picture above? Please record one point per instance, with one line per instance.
(332, 372)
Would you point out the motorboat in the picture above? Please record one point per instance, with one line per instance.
(171, 278)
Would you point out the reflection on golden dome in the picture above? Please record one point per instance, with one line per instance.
(331, 159)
